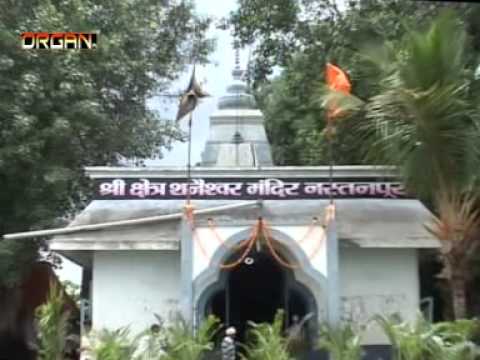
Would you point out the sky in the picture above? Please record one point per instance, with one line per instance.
(214, 78)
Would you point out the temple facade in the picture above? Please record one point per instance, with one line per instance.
(255, 238)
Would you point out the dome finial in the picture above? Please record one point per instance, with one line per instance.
(237, 71)
(237, 55)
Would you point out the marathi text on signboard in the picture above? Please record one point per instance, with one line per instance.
(262, 188)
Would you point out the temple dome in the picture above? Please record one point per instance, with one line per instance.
(237, 134)
(237, 94)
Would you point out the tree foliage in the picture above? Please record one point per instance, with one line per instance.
(53, 326)
(183, 344)
(424, 116)
(425, 121)
(421, 340)
(63, 110)
(299, 37)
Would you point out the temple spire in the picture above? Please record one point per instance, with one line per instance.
(237, 57)
(237, 135)
(237, 71)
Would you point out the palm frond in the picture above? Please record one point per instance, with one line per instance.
(456, 225)
(436, 56)
(268, 342)
(422, 340)
(53, 325)
(182, 344)
(349, 104)
(115, 344)
(422, 118)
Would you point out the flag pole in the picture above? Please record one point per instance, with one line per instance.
(330, 156)
(333, 291)
(186, 241)
(338, 81)
(189, 156)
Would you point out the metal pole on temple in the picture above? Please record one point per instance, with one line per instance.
(189, 157)
(188, 103)
(333, 297)
(330, 132)
(337, 81)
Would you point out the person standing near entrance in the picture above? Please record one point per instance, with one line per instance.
(228, 344)
(151, 344)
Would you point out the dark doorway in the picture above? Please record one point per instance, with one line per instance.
(255, 292)
(218, 306)
(297, 305)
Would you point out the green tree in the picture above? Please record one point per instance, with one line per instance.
(425, 121)
(63, 110)
(317, 32)
(299, 37)
(281, 30)
(295, 124)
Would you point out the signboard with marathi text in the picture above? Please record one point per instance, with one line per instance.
(245, 188)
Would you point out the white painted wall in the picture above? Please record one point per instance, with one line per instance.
(130, 286)
(378, 281)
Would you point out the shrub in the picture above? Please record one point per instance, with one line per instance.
(268, 342)
(183, 344)
(342, 343)
(422, 340)
(112, 344)
(52, 325)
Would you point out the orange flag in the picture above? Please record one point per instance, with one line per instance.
(337, 80)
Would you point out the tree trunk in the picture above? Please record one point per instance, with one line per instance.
(458, 284)
(10, 301)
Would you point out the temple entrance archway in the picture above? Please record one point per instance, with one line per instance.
(254, 291)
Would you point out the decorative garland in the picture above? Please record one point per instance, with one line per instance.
(251, 242)
(268, 237)
(213, 228)
(309, 230)
(261, 227)
(190, 217)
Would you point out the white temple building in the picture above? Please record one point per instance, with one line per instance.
(144, 257)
